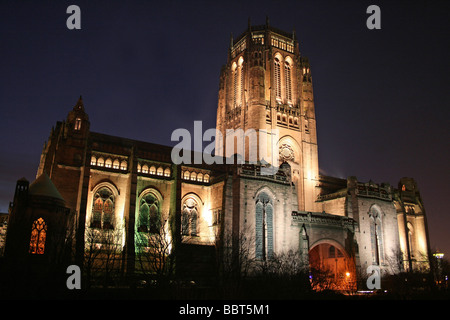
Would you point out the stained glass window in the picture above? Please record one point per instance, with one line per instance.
(38, 236)
(103, 209)
(149, 214)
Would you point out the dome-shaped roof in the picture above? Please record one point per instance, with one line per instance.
(43, 186)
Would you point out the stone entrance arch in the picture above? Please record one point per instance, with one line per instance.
(331, 267)
(330, 249)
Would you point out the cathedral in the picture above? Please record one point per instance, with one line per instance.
(109, 191)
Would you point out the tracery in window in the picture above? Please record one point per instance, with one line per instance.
(376, 236)
(264, 227)
(189, 217)
(103, 209)
(38, 236)
(149, 219)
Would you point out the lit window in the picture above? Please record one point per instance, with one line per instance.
(167, 172)
(149, 219)
(200, 177)
(160, 171)
(193, 176)
(264, 227)
(189, 217)
(287, 73)
(123, 165)
(206, 178)
(93, 161)
(108, 163)
(77, 124)
(186, 175)
(145, 169)
(277, 73)
(116, 164)
(103, 209)
(138, 168)
(38, 236)
(152, 170)
(100, 162)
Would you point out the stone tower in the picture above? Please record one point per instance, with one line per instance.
(266, 93)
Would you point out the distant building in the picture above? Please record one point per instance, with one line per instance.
(3, 226)
(133, 188)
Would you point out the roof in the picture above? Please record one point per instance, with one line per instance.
(43, 186)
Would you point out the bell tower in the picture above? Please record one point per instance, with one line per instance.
(266, 88)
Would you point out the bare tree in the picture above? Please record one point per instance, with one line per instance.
(103, 255)
(154, 253)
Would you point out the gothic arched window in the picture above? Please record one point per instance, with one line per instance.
(234, 75)
(241, 84)
(264, 227)
(411, 238)
(77, 126)
(38, 236)
(277, 76)
(287, 74)
(103, 209)
(376, 235)
(189, 217)
(149, 219)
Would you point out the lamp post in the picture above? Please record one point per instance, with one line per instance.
(438, 271)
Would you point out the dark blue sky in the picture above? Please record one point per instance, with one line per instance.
(145, 68)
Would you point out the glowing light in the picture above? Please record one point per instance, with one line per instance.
(439, 255)
(168, 237)
(347, 274)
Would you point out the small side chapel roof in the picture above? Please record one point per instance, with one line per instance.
(43, 186)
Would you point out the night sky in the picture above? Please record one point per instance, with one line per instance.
(146, 68)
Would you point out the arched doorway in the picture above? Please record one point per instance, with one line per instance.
(331, 268)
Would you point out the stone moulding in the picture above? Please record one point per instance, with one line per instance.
(322, 218)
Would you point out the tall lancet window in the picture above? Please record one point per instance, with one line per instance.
(189, 218)
(241, 82)
(103, 209)
(277, 78)
(264, 227)
(77, 124)
(234, 72)
(38, 236)
(287, 74)
(376, 236)
(149, 214)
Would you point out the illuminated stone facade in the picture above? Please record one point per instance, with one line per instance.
(134, 188)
